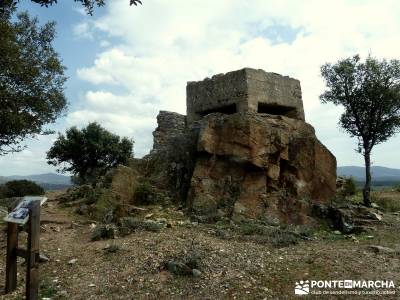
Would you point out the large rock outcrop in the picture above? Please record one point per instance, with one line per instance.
(243, 149)
(260, 166)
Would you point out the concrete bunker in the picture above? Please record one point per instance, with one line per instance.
(275, 109)
(227, 109)
(260, 165)
(245, 90)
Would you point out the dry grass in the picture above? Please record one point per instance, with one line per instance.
(388, 200)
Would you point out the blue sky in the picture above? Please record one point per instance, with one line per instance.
(127, 63)
(74, 51)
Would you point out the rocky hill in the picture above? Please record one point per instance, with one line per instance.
(377, 172)
(380, 175)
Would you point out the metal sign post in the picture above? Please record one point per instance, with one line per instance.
(27, 212)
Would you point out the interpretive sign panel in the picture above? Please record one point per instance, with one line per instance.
(20, 214)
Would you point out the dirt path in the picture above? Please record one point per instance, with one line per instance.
(231, 268)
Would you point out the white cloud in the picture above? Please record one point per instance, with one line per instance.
(125, 115)
(165, 43)
(82, 30)
(31, 160)
(104, 43)
(80, 10)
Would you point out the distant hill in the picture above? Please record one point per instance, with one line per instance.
(47, 177)
(379, 174)
(49, 181)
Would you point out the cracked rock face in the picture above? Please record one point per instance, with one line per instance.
(243, 149)
(275, 165)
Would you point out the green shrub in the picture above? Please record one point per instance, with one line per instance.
(129, 224)
(283, 238)
(3, 191)
(144, 194)
(349, 187)
(113, 248)
(21, 188)
(47, 289)
(193, 258)
(102, 232)
(78, 192)
(252, 229)
(276, 236)
(186, 262)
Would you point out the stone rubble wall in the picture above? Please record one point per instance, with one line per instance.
(170, 126)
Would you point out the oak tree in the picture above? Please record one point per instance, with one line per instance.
(369, 91)
(89, 152)
(31, 79)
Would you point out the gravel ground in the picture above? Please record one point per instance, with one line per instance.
(231, 265)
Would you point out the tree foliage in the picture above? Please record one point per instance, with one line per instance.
(31, 79)
(21, 188)
(89, 5)
(90, 152)
(370, 94)
(349, 187)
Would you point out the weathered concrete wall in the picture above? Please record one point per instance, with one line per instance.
(242, 91)
(281, 94)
